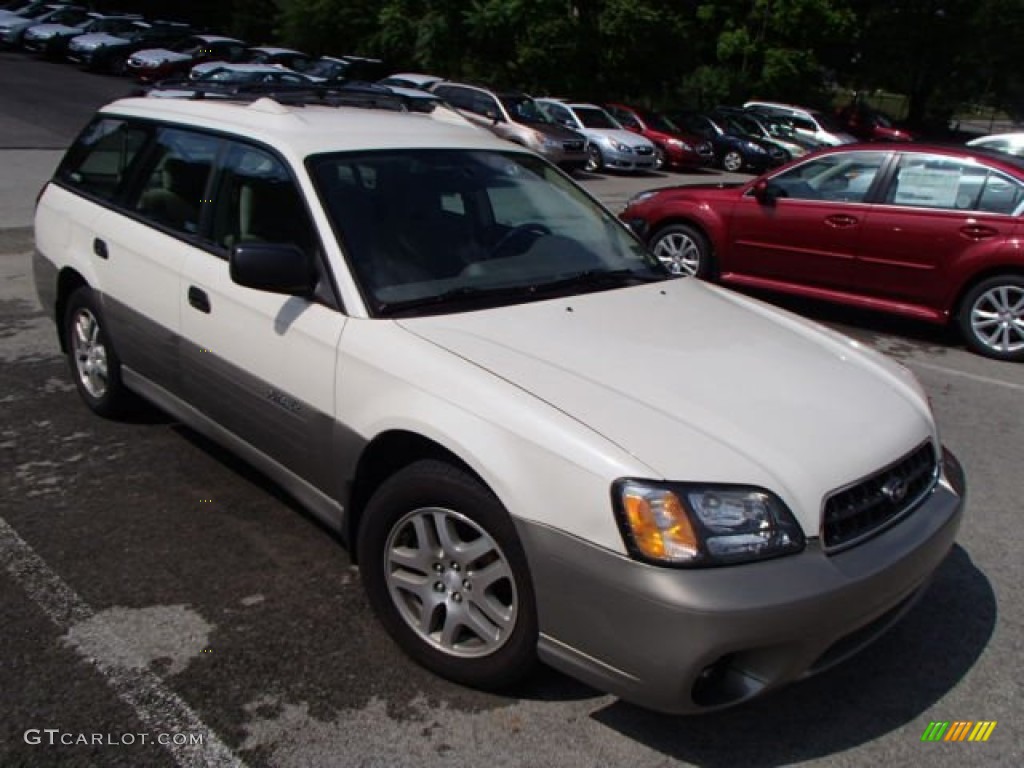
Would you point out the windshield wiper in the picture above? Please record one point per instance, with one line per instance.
(467, 293)
(600, 278)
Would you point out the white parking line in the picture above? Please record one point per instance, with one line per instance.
(965, 375)
(159, 708)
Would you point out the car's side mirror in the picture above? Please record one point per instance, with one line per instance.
(273, 267)
(492, 115)
(766, 192)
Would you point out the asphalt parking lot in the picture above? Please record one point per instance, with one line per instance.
(155, 589)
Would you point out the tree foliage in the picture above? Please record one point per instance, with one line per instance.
(676, 52)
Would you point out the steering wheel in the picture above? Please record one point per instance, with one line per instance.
(534, 229)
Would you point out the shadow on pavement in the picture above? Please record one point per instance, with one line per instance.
(882, 689)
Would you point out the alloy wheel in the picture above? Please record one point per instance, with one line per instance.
(997, 318)
(679, 253)
(89, 353)
(451, 582)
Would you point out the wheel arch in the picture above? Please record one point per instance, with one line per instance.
(980, 276)
(383, 456)
(69, 280)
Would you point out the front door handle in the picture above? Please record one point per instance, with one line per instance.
(99, 247)
(841, 221)
(198, 299)
(977, 231)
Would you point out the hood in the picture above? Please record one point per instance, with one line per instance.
(555, 131)
(46, 31)
(701, 384)
(96, 40)
(601, 135)
(158, 56)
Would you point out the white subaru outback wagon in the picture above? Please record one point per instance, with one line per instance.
(536, 443)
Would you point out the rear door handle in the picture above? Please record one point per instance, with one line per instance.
(841, 220)
(198, 299)
(977, 231)
(99, 247)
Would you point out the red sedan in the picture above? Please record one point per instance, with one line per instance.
(933, 233)
(674, 148)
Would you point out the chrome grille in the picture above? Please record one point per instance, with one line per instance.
(572, 146)
(645, 150)
(863, 509)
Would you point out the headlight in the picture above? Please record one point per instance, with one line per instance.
(680, 144)
(756, 148)
(620, 147)
(690, 525)
(797, 151)
(641, 197)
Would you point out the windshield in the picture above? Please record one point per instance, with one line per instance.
(429, 231)
(659, 122)
(828, 122)
(592, 117)
(524, 109)
(326, 69)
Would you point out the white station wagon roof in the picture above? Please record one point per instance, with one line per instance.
(317, 128)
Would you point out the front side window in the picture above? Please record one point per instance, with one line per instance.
(100, 160)
(174, 192)
(936, 181)
(448, 230)
(844, 176)
(256, 200)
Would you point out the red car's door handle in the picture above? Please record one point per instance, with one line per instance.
(841, 220)
(977, 231)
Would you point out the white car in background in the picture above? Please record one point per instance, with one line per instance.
(609, 145)
(809, 123)
(411, 80)
(1010, 143)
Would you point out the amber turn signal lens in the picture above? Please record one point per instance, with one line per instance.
(660, 526)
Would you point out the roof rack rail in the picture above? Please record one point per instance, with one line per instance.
(354, 94)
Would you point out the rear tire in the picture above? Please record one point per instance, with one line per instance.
(446, 575)
(95, 367)
(991, 318)
(732, 161)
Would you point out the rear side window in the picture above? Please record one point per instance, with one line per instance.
(103, 156)
(177, 170)
(934, 181)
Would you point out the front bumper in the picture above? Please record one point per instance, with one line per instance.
(564, 158)
(687, 641)
(627, 161)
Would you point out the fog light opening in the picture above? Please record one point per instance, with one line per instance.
(722, 682)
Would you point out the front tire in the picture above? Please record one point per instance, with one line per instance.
(595, 160)
(683, 250)
(95, 367)
(446, 574)
(660, 160)
(991, 318)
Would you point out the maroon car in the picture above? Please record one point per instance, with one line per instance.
(928, 232)
(675, 148)
(870, 125)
